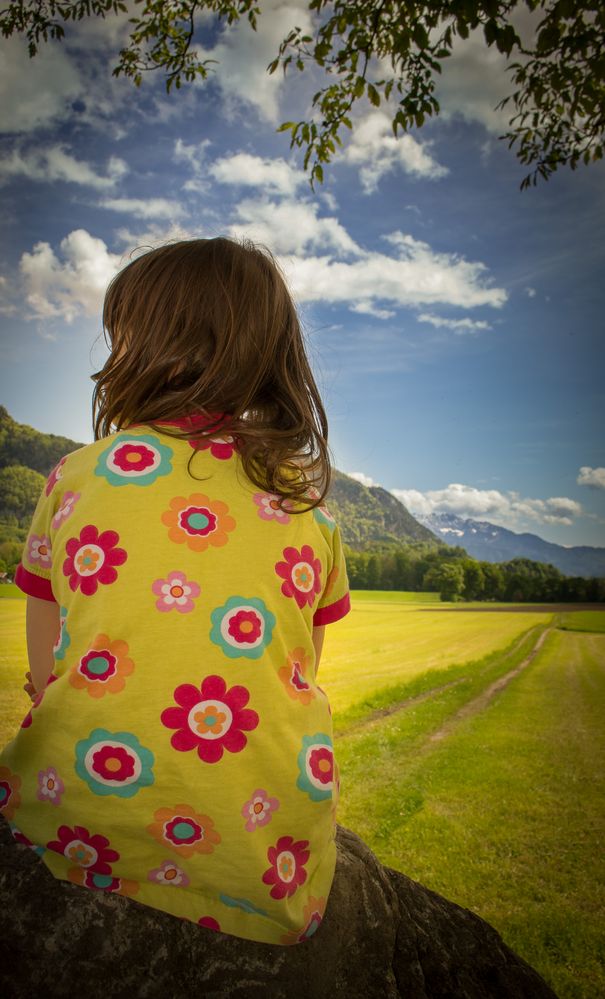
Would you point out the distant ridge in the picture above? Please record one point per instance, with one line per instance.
(490, 543)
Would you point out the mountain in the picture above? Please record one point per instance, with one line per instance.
(367, 515)
(22, 445)
(491, 543)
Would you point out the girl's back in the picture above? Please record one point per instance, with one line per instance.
(181, 752)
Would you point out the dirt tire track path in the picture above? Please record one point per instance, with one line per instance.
(480, 703)
(379, 713)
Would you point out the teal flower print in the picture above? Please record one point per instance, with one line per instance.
(136, 460)
(242, 627)
(114, 763)
(63, 641)
(316, 766)
(323, 516)
(242, 903)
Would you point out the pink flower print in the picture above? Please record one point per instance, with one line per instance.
(113, 763)
(169, 874)
(92, 558)
(84, 849)
(39, 552)
(210, 719)
(50, 786)
(287, 871)
(220, 447)
(210, 923)
(176, 592)
(54, 476)
(131, 456)
(37, 701)
(270, 508)
(245, 626)
(66, 509)
(258, 810)
(301, 573)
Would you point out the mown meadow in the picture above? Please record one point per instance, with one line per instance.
(471, 748)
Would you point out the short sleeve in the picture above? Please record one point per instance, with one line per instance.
(33, 574)
(335, 601)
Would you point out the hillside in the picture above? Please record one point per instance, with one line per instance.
(372, 515)
(22, 445)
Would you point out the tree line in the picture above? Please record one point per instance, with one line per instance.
(456, 576)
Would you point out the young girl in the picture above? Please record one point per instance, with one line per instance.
(179, 749)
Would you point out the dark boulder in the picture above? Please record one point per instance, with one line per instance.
(383, 936)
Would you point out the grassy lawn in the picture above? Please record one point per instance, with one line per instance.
(504, 813)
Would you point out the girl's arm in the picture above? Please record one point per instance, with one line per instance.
(42, 622)
(318, 641)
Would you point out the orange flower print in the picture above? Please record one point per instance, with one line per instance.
(294, 676)
(183, 830)
(198, 522)
(313, 913)
(103, 669)
(330, 581)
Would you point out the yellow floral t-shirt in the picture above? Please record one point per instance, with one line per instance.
(181, 752)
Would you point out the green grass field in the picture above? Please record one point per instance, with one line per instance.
(487, 788)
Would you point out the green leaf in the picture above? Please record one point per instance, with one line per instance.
(373, 95)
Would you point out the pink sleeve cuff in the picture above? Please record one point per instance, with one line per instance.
(34, 586)
(333, 612)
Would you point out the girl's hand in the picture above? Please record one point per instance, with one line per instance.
(29, 688)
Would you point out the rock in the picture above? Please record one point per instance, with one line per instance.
(383, 936)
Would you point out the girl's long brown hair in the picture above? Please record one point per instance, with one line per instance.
(208, 326)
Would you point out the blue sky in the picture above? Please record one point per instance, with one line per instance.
(454, 323)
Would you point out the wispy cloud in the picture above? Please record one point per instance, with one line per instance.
(56, 164)
(145, 208)
(509, 508)
(465, 325)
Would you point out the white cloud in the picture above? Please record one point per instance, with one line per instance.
(508, 509)
(375, 149)
(530, 292)
(145, 208)
(71, 283)
(55, 163)
(291, 226)
(243, 56)
(367, 309)
(458, 325)
(593, 477)
(417, 275)
(35, 92)
(363, 478)
(274, 176)
(373, 282)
